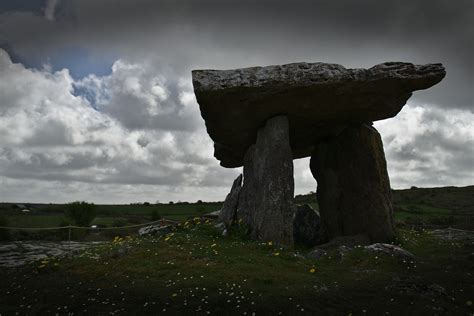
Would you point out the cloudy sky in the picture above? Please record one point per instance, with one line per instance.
(96, 101)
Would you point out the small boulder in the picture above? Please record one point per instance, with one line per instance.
(316, 254)
(391, 250)
(306, 226)
(212, 215)
(221, 228)
(412, 285)
(155, 229)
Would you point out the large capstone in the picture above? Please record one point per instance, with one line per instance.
(229, 208)
(266, 200)
(353, 191)
(319, 100)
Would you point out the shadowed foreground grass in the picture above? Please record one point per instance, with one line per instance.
(196, 271)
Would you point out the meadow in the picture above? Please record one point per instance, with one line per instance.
(193, 269)
(448, 206)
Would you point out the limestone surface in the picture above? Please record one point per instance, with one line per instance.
(319, 99)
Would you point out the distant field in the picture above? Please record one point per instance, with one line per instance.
(448, 206)
(42, 221)
(108, 215)
(177, 211)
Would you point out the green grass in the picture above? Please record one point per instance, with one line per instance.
(196, 270)
(42, 221)
(27, 220)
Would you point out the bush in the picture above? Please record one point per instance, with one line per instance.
(81, 213)
(155, 215)
(4, 233)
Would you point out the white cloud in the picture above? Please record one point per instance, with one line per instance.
(427, 146)
(137, 134)
(49, 134)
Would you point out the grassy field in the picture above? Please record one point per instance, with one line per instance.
(194, 270)
(432, 207)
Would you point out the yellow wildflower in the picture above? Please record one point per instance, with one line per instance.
(312, 270)
(276, 253)
(213, 245)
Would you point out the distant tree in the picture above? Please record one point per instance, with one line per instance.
(81, 213)
(199, 202)
(155, 215)
(171, 202)
(146, 204)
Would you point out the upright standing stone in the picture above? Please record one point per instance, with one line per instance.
(266, 202)
(353, 186)
(229, 209)
(247, 198)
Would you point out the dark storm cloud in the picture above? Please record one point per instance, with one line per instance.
(227, 34)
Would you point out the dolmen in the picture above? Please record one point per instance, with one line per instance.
(262, 118)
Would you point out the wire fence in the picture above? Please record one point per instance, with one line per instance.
(72, 232)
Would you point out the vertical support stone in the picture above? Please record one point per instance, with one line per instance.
(353, 191)
(229, 208)
(266, 200)
(247, 198)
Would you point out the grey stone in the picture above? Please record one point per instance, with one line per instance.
(316, 254)
(413, 285)
(212, 215)
(267, 195)
(307, 226)
(229, 209)
(353, 191)
(220, 227)
(223, 230)
(391, 250)
(19, 253)
(155, 230)
(319, 99)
